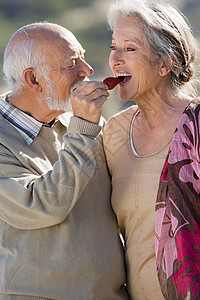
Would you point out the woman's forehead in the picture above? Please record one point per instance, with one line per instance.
(129, 28)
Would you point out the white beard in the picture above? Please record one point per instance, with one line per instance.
(52, 100)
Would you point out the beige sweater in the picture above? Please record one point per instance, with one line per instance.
(54, 243)
(135, 183)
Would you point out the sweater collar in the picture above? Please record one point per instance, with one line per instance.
(26, 125)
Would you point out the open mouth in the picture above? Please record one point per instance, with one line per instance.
(111, 82)
(125, 77)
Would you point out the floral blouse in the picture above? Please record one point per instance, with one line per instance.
(177, 218)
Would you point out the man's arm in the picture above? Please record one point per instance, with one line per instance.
(29, 201)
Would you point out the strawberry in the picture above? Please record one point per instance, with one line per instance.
(111, 82)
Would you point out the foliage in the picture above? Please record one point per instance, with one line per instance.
(85, 18)
(15, 14)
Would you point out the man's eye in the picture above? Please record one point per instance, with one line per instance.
(73, 63)
(112, 47)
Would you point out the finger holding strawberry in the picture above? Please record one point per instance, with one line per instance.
(87, 100)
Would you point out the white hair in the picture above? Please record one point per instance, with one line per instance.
(168, 34)
(20, 57)
(23, 51)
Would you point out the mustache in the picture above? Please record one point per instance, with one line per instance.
(77, 83)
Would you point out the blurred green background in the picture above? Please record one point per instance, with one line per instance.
(87, 20)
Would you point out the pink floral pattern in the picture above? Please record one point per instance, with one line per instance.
(190, 267)
(177, 218)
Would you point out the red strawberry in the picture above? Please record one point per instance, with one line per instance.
(111, 82)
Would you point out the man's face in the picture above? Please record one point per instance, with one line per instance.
(52, 100)
(67, 69)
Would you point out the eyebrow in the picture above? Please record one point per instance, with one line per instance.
(72, 57)
(76, 55)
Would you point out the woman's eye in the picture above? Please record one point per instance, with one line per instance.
(130, 49)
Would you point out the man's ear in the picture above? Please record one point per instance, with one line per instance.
(30, 80)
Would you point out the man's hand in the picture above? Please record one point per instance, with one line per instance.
(87, 100)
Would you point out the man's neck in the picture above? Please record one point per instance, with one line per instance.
(33, 107)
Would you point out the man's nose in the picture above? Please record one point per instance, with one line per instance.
(85, 69)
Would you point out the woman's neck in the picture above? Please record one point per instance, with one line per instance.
(155, 124)
(155, 110)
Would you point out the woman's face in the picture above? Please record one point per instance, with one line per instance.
(131, 56)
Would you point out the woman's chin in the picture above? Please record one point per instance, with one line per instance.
(124, 97)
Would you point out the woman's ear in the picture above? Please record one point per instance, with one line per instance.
(30, 80)
(165, 68)
(166, 65)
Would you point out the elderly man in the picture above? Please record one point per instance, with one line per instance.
(58, 234)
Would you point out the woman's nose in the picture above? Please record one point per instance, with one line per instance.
(116, 58)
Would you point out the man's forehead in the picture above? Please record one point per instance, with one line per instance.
(75, 52)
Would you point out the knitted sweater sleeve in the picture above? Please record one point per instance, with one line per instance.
(31, 202)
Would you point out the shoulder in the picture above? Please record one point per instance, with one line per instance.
(191, 113)
(128, 112)
(5, 127)
(122, 118)
(193, 106)
(186, 135)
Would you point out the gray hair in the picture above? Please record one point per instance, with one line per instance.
(168, 34)
(20, 56)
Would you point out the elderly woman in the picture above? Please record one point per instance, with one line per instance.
(154, 49)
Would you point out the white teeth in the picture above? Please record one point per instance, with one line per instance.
(122, 74)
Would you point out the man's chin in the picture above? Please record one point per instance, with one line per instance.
(68, 108)
(59, 105)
